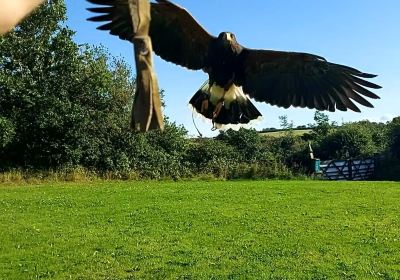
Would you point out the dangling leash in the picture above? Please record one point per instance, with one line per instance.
(194, 123)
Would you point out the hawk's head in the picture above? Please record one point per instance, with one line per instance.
(228, 40)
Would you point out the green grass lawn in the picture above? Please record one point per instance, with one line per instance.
(201, 230)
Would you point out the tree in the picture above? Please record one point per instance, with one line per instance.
(65, 103)
(27, 75)
(7, 132)
(285, 124)
(394, 136)
(322, 126)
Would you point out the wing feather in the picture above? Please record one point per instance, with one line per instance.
(302, 80)
(177, 37)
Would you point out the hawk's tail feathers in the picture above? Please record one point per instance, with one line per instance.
(237, 110)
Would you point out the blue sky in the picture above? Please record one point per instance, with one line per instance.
(364, 34)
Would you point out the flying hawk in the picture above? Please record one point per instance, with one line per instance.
(236, 73)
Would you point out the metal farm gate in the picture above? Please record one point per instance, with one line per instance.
(352, 169)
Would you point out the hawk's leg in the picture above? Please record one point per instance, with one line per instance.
(221, 101)
(218, 107)
(205, 102)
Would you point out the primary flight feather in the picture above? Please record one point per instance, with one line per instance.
(279, 78)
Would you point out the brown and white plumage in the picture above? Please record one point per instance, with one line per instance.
(279, 78)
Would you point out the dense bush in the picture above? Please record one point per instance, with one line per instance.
(389, 163)
(348, 141)
(246, 142)
(210, 156)
(394, 138)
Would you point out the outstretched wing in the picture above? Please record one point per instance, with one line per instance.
(176, 35)
(116, 14)
(302, 80)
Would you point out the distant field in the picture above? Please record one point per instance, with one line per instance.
(201, 230)
(279, 133)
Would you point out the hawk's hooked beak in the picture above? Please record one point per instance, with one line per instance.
(228, 37)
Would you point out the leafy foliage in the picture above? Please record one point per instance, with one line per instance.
(7, 132)
(352, 140)
(322, 125)
(246, 142)
(394, 136)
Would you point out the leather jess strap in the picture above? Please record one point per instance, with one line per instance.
(146, 111)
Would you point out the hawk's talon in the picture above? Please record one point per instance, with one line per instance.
(214, 127)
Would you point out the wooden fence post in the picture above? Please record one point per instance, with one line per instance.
(146, 111)
(350, 162)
